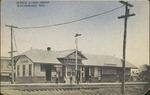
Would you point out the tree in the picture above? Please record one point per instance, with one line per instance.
(143, 73)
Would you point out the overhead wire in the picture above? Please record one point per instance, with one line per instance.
(69, 22)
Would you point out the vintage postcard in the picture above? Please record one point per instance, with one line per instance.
(74, 47)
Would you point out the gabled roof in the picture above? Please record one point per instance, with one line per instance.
(66, 53)
(41, 56)
(50, 57)
(105, 61)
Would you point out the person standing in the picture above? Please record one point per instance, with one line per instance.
(78, 79)
(90, 78)
(71, 79)
(64, 79)
(56, 78)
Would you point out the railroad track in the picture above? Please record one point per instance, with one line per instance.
(57, 88)
(62, 87)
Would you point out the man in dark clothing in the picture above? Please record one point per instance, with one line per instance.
(56, 78)
(71, 79)
(90, 78)
(77, 79)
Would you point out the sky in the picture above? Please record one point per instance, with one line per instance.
(101, 35)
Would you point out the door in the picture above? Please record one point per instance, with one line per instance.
(48, 73)
(86, 73)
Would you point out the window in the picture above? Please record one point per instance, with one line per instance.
(42, 68)
(18, 69)
(79, 60)
(92, 71)
(99, 73)
(73, 73)
(30, 69)
(23, 70)
(59, 74)
(82, 69)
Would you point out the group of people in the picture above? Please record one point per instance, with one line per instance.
(71, 79)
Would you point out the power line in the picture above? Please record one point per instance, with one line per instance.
(73, 20)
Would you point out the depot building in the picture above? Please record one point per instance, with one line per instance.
(42, 66)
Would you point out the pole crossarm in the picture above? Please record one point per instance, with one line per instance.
(76, 35)
(123, 16)
(126, 3)
(11, 26)
(12, 51)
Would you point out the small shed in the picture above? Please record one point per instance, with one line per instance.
(6, 69)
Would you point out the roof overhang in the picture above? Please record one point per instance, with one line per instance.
(47, 63)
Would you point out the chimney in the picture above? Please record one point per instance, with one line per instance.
(48, 48)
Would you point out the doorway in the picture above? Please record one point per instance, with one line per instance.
(48, 73)
(86, 73)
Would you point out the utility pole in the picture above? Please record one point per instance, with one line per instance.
(76, 54)
(124, 40)
(11, 52)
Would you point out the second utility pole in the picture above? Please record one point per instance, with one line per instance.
(124, 40)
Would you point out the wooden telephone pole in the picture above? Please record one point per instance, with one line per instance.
(124, 40)
(12, 59)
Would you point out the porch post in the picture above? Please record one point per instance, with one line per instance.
(66, 71)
